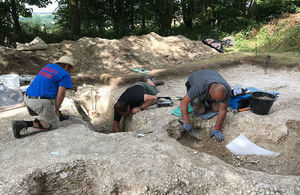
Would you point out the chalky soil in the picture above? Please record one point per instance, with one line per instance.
(278, 131)
(76, 160)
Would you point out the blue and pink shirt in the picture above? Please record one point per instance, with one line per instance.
(48, 80)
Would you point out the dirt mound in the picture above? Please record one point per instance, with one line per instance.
(280, 34)
(136, 51)
(100, 56)
(285, 22)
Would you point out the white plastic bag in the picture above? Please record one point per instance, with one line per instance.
(10, 96)
(243, 146)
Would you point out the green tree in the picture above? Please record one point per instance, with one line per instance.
(118, 18)
(188, 12)
(165, 13)
(76, 9)
(15, 16)
(11, 10)
(5, 21)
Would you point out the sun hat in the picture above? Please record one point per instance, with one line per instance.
(65, 60)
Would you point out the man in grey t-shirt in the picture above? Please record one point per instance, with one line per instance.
(206, 87)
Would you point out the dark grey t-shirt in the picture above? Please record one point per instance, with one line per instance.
(200, 82)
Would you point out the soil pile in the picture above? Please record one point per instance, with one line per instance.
(100, 56)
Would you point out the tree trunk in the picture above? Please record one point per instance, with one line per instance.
(15, 16)
(249, 13)
(188, 8)
(122, 19)
(75, 15)
(132, 14)
(166, 14)
(143, 14)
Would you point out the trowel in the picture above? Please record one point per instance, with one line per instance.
(193, 132)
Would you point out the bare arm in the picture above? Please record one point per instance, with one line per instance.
(116, 126)
(148, 101)
(221, 115)
(60, 97)
(184, 108)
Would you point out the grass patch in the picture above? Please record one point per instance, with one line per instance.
(280, 35)
(284, 57)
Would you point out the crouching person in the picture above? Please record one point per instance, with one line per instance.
(206, 87)
(45, 95)
(135, 99)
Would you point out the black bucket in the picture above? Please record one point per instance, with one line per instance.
(261, 102)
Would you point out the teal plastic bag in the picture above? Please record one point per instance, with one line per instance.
(177, 111)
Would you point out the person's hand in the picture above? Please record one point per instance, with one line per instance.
(218, 134)
(187, 126)
(63, 117)
(135, 110)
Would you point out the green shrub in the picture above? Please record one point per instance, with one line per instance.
(271, 37)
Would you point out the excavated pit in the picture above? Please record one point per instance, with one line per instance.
(71, 178)
(288, 163)
(75, 160)
(77, 177)
(279, 131)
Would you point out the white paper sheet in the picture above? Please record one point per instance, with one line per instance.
(243, 146)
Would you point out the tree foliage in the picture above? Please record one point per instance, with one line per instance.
(118, 18)
(10, 11)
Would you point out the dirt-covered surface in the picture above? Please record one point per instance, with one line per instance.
(74, 159)
(277, 131)
(288, 163)
(101, 59)
(78, 159)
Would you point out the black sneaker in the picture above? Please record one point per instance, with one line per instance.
(156, 83)
(63, 117)
(17, 127)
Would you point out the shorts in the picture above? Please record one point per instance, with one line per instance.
(45, 109)
(150, 89)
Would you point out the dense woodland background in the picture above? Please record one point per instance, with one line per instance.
(195, 19)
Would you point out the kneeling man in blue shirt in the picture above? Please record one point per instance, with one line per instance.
(45, 95)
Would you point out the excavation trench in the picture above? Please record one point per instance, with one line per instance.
(278, 131)
(106, 161)
(94, 177)
(77, 177)
(285, 164)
